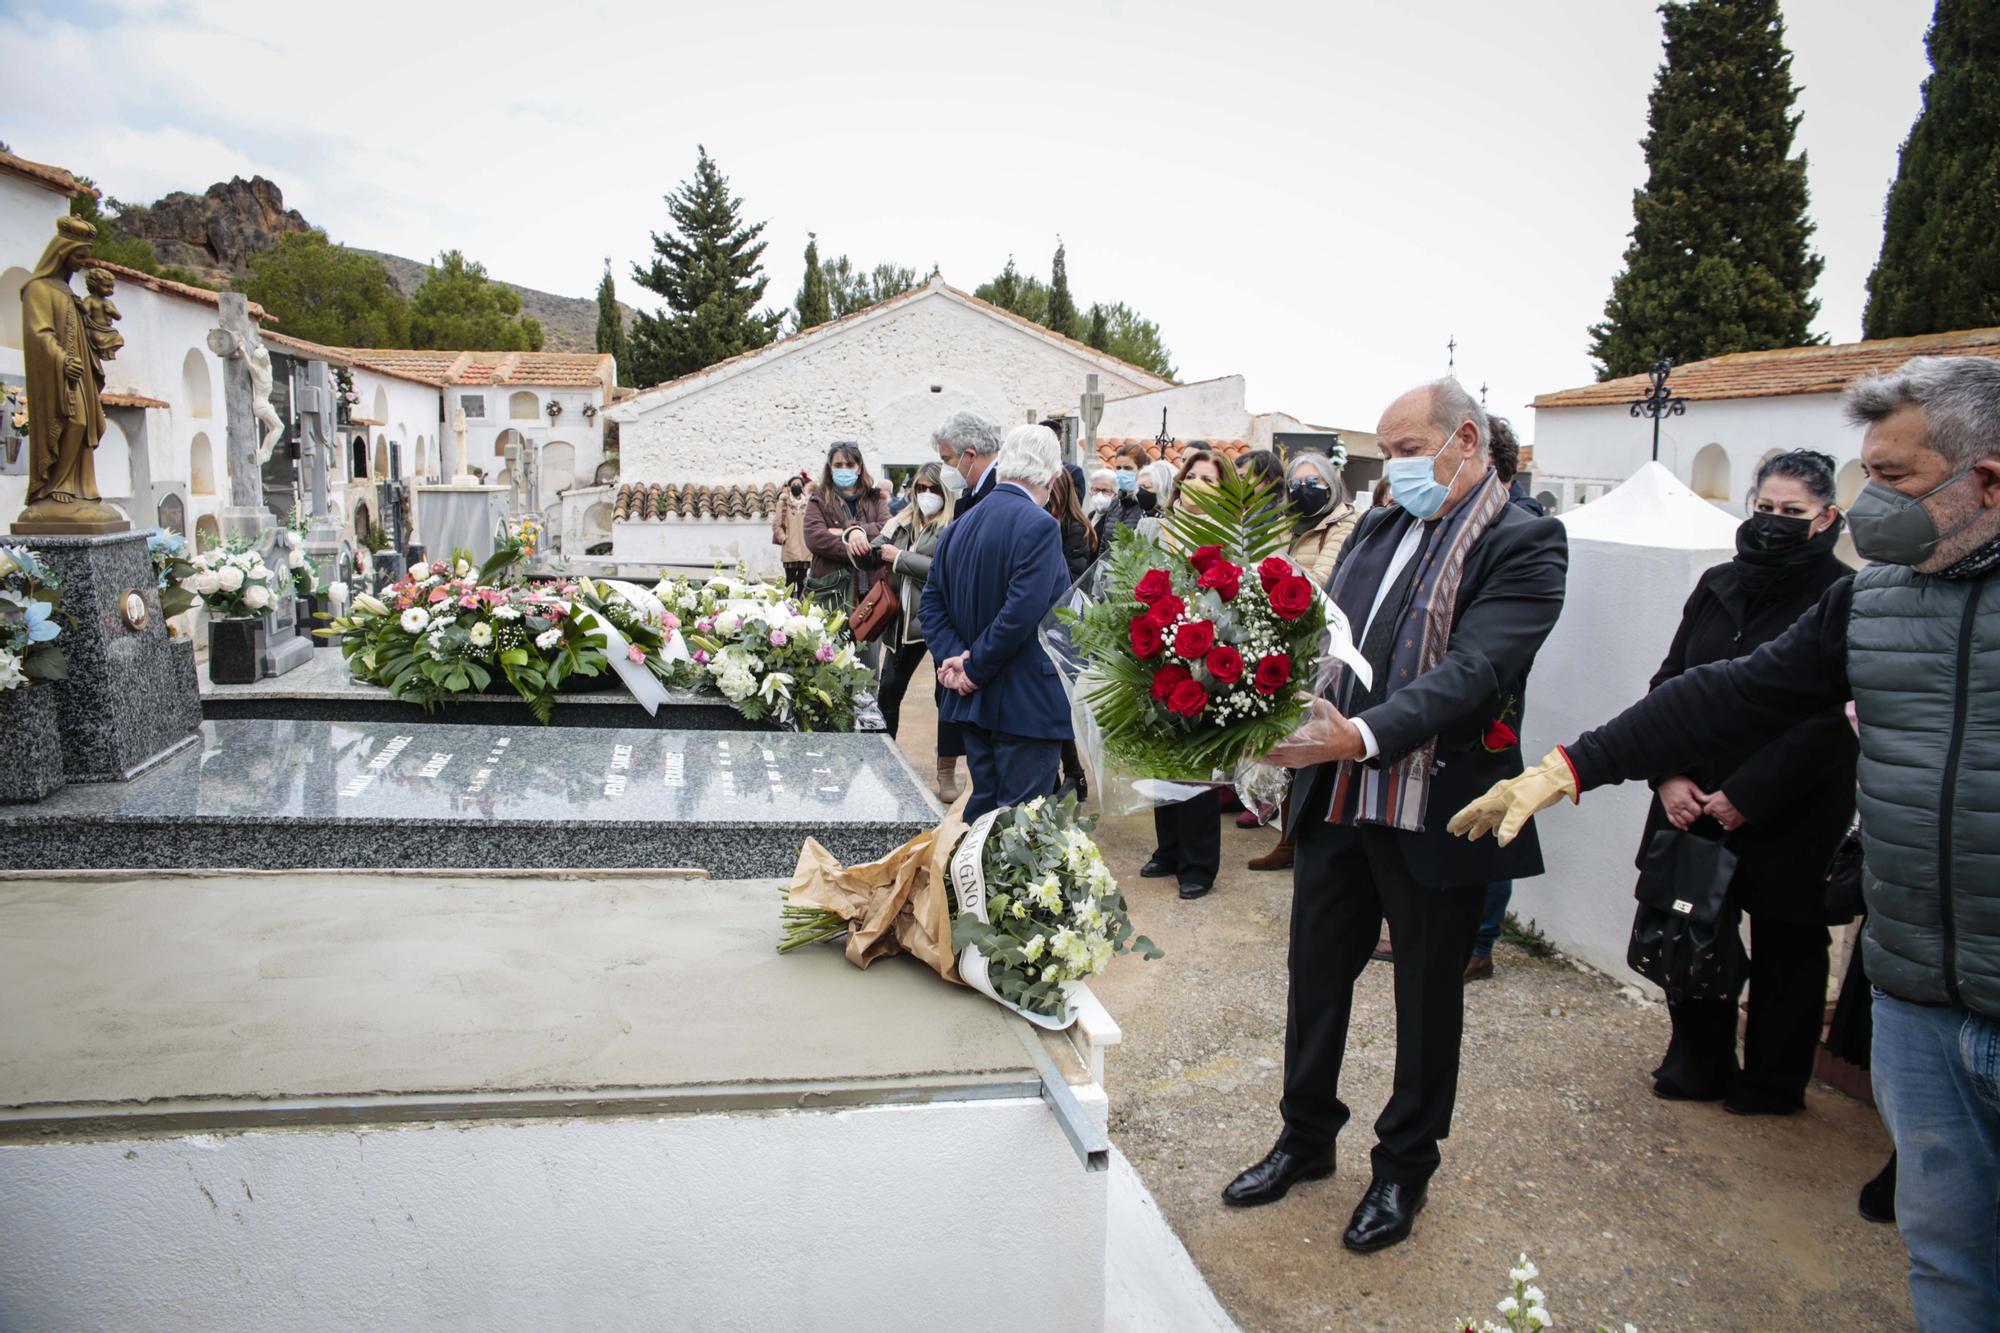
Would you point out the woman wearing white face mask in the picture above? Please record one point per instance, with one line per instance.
(906, 546)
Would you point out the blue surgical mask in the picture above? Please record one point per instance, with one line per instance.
(1127, 482)
(1413, 483)
(845, 477)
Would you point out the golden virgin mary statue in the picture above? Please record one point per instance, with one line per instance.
(65, 413)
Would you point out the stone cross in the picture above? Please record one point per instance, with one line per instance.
(316, 416)
(245, 514)
(456, 473)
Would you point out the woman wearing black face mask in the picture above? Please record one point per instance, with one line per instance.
(1781, 807)
(788, 532)
(1322, 517)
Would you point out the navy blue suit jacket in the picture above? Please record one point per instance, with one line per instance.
(997, 572)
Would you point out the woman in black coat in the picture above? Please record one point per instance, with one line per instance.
(1781, 807)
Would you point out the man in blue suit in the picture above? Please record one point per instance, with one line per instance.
(998, 571)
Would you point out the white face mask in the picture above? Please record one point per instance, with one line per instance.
(952, 479)
(929, 504)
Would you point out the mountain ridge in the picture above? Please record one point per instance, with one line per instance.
(219, 231)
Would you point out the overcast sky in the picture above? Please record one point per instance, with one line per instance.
(1316, 195)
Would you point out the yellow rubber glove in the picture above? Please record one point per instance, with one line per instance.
(1508, 805)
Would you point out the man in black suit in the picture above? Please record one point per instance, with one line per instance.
(1381, 770)
(968, 443)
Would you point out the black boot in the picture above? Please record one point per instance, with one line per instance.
(1878, 1196)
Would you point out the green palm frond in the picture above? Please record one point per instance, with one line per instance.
(1243, 515)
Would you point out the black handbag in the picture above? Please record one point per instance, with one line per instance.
(1686, 936)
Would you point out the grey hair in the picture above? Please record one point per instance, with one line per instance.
(1031, 455)
(1323, 467)
(968, 433)
(1090, 476)
(1162, 473)
(1451, 406)
(1959, 396)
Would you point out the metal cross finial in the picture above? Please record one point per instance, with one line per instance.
(1163, 439)
(1451, 355)
(1482, 393)
(1658, 400)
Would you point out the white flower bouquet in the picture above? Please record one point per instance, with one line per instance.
(30, 621)
(1019, 906)
(1521, 1309)
(447, 629)
(233, 583)
(769, 654)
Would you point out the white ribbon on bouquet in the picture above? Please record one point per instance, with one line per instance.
(640, 681)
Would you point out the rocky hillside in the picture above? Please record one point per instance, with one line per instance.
(216, 233)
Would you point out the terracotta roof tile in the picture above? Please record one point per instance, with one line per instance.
(652, 502)
(168, 286)
(1108, 447)
(44, 175)
(1783, 371)
(559, 370)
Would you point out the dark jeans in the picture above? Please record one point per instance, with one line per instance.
(1189, 834)
(1788, 969)
(1339, 901)
(1007, 769)
(1498, 894)
(795, 575)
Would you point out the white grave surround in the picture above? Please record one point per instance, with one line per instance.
(700, 543)
(1634, 556)
(535, 1101)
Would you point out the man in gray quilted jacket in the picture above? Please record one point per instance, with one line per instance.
(1914, 640)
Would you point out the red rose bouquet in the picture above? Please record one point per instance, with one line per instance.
(1190, 655)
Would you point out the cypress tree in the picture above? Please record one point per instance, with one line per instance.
(1939, 268)
(814, 306)
(1099, 334)
(708, 268)
(611, 325)
(1719, 260)
(1062, 306)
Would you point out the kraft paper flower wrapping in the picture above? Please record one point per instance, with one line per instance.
(895, 905)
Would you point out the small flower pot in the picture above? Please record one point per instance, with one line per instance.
(236, 650)
(303, 611)
(34, 766)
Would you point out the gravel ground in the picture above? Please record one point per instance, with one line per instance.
(1669, 1215)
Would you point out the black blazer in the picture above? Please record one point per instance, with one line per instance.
(1509, 596)
(1796, 793)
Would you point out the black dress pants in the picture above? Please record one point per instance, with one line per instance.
(1787, 977)
(1189, 834)
(1340, 897)
(898, 670)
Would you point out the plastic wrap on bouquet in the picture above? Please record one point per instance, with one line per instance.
(1090, 678)
(969, 895)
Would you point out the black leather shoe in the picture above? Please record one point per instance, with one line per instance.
(1383, 1217)
(1878, 1197)
(1271, 1179)
(1157, 869)
(1194, 888)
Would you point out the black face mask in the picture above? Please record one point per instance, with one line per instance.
(1772, 534)
(1310, 497)
(1148, 501)
(797, 490)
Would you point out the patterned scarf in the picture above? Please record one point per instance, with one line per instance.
(1396, 794)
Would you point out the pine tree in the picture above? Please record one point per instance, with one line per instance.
(708, 268)
(1062, 306)
(458, 306)
(813, 306)
(1719, 260)
(1939, 268)
(1005, 290)
(611, 325)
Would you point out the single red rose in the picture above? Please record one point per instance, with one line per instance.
(1275, 570)
(1188, 699)
(1166, 678)
(1224, 577)
(1155, 584)
(1167, 610)
(1225, 664)
(1146, 640)
(1204, 556)
(1500, 736)
(1273, 673)
(1292, 597)
(1194, 639)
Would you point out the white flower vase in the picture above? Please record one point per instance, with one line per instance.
(968, 887)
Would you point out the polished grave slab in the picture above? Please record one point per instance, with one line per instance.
(265, 795)
(309, 997)
(323, 691)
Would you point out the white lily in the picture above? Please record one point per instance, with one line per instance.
(777, 685)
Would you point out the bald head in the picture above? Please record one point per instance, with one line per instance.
(1443, 421)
